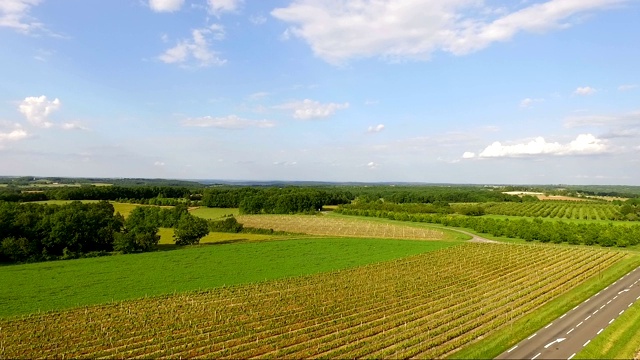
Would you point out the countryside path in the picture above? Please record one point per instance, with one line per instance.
(476, 238)
(567, 335)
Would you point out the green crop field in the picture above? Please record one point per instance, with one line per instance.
(422, 306)
(63, 284)
(213, 213)
(564, 210)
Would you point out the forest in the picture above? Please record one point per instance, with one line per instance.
(42, 232)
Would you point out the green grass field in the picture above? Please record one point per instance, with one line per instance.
(64, 284)
(166, 237)
(213, 213)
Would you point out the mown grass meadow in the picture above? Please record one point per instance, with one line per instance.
(58, 285)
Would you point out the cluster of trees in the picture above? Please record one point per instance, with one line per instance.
(35, 232)
(529, 230)
(41, 232)
(431, 194)
(631, 210)
(13, 194)
(89, 192)
(117, 192)
(286, 200)
(438, 207)
(275, 200)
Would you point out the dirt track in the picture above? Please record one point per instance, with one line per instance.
(476, 238)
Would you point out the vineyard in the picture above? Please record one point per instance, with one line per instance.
(320, 225)
(422, 306)
(556, 210)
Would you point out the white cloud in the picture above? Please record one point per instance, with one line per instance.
(528, 102)
(372, 165)
(38, 109)
(468, 155)
(165, 5)
(73, 126)
(584, 144)
(413, 29)
(228, 122)
(627, 87)
(158, 163)
(196, 48)
(375, 129)
(219, 6)
(17, 134)
(309, 109)
(585, 90)
(15, 14)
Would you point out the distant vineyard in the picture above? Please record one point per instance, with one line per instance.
(320, 225)
(424, 306)
(557, 210)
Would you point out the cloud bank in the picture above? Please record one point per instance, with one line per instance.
(584, 144)
(340, 30)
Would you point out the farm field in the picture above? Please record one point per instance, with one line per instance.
(342, 226)
(30, 288)
(556, 210)
(424, 306)
(213, 213)
(166, 237)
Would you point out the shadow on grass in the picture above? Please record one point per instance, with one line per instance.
(170, 247)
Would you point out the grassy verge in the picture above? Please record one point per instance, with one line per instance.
(58, 285)
(501, 340)
(620, 340)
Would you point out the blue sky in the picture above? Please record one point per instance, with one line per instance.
(455, 91)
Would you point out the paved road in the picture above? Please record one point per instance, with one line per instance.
(568, 334)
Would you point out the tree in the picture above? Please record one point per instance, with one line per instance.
(190, 230)
(228, 225)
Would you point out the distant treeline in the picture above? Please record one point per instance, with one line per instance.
(285, 200)
(41, 232)
(94, 193)
(32, 181)
(272, 199)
